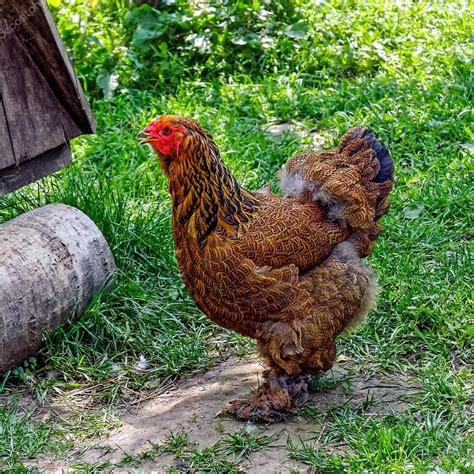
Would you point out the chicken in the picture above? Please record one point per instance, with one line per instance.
(286, 271)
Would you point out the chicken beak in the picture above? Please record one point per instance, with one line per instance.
(146, 135)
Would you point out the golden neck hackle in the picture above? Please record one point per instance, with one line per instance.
(205, 194)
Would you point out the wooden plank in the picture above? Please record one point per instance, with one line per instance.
(30, 171)
(42, 104)
(31, 22)
(7, 158)
(36, 120)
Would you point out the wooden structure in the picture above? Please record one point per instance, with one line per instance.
(42, 104)
(53, 260)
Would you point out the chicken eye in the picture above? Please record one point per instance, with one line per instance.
(166, 131)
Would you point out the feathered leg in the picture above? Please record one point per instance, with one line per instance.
(273, 400)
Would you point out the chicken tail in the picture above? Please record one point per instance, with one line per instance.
(360, 139)
(353, 182)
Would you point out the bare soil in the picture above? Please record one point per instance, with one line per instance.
(191, 406)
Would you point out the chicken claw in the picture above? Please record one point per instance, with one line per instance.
(272, 401)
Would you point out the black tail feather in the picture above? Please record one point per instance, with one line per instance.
(383, 155)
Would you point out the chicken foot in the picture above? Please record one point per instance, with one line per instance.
(273, 400)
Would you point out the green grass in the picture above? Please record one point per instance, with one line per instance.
(21, 439)
(26, 434)
(402, 68)
(226, 455)
(411, 441)
(241, 443)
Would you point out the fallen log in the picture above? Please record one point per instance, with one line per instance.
(53, 261)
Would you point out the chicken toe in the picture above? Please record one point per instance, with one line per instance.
(273, 400)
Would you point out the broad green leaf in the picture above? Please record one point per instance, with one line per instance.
(297, 31)
(143, 35)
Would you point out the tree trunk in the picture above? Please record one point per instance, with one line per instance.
(53, 260)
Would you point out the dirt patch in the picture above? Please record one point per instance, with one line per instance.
(191, 407)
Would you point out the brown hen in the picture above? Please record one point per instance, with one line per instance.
(286, 271)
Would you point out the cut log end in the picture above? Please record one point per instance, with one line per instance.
(53, 261)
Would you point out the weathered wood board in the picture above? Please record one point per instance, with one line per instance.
(32, 170)
(42, 105)
(27, 96)
(7, 158)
